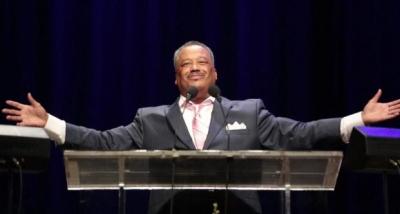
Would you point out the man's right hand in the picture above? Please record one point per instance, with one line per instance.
(26, 115)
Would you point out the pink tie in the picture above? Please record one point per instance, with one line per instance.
(199, 128)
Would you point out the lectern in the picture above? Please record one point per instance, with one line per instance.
(28, 146)
(22, 149)
(228, 170)
(375, 149)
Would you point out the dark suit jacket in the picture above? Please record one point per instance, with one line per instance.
(163, 127)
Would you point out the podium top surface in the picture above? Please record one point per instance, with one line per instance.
(379, 132)
(30, 145)
(23, 132)
(200, 153)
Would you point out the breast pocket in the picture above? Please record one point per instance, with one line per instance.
(239, 132)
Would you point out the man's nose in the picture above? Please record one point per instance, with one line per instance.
(194, 67)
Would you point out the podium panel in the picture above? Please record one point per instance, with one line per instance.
(29, 146)
(208, 169)
(374, 149)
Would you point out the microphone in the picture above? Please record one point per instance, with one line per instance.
(191, 93)
(214, 91)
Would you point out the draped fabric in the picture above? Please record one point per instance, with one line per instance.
(94, 63)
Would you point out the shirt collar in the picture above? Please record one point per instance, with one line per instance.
(182, 100)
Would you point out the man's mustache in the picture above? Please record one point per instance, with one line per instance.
(195, 73)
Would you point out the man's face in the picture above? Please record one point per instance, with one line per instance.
(195, 68)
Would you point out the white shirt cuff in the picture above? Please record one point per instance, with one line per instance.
(55, 128)
(348, 123)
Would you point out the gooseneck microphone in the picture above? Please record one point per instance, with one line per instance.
(191, 93)
(214, 91)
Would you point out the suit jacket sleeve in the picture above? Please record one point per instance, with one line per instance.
(284, 133)
(120, 138)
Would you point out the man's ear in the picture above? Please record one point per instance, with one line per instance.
(176, 78)
(215, 73)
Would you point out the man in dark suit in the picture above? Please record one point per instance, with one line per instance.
(199, 123)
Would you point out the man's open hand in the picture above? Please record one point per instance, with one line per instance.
(375, 111)
(26, 115)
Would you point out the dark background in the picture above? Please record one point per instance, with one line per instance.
(93, 63)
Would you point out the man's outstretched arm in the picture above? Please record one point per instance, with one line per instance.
(34, 114)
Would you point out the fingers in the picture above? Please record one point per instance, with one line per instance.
(394, 106)
(22, 124)
(32, 100)
(394, 109)
(14, 118)
(11, 111)
(14, 104)
(376, 97)
(394, 103)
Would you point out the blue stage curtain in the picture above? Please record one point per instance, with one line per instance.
(95, 62)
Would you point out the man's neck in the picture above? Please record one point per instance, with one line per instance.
(201, 96)
(199, 99)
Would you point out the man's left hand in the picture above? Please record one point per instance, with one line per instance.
(375, 111)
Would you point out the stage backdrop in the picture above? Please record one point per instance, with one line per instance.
(94, 63)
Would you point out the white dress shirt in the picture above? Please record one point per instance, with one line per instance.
(188, 114)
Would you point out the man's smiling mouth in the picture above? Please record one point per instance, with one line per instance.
(195, 76)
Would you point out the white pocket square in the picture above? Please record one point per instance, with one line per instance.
(236, 126)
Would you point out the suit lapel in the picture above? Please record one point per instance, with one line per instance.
(175, 119)
(217, 121)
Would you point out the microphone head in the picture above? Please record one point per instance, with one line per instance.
(191, 92)
(215, 92)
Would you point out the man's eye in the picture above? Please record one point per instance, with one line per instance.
(203, 62)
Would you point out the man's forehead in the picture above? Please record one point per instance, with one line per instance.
(194, 49)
